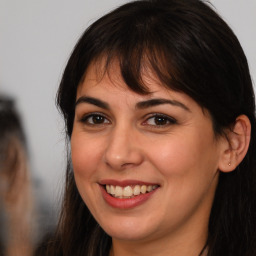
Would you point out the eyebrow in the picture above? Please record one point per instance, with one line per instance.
(155, 102)
(139, 105)
(93, 101)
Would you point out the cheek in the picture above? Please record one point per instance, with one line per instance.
(188, 166)
(85, 154)
(185, 155)
(170, 155)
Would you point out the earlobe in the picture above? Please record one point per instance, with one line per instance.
(236, 144)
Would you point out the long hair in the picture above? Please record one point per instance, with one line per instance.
(191, 50)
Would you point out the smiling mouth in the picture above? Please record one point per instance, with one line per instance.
(129, 191)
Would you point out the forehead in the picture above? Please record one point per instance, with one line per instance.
(109, 85)
(102, 74)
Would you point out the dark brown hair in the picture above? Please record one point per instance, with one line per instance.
(191, 50)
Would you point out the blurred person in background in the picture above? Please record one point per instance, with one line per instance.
(16, 214)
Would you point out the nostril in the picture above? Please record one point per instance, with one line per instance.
(126, 165)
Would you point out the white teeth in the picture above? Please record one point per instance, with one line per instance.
(143, 189)
(118, 191)
(136, 190)
(129, 191)
(149, 188)
(112, 190)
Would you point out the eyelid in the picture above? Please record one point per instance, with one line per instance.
(86, 116)
(170, 119)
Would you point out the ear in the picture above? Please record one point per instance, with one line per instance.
(235, 144)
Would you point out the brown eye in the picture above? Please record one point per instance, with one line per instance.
(95, 119)
(160, 120)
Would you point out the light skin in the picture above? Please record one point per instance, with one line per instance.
(163, 138)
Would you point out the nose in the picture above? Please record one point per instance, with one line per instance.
(123, 150)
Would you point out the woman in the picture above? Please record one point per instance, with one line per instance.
(159, 108)
(15, 185)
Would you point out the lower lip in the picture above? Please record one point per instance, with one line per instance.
(126, 203)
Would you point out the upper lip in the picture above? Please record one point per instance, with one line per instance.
(124, 183)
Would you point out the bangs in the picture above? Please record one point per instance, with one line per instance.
(139, 55)
(139, 41)
(136, 66)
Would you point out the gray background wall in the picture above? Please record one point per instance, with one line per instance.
(36, 38)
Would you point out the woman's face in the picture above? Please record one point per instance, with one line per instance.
(146, 166)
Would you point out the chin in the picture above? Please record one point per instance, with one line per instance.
(127, 235)
(128, 230)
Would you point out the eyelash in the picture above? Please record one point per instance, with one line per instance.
(167, 119)
(164, 118)
(85, 119)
